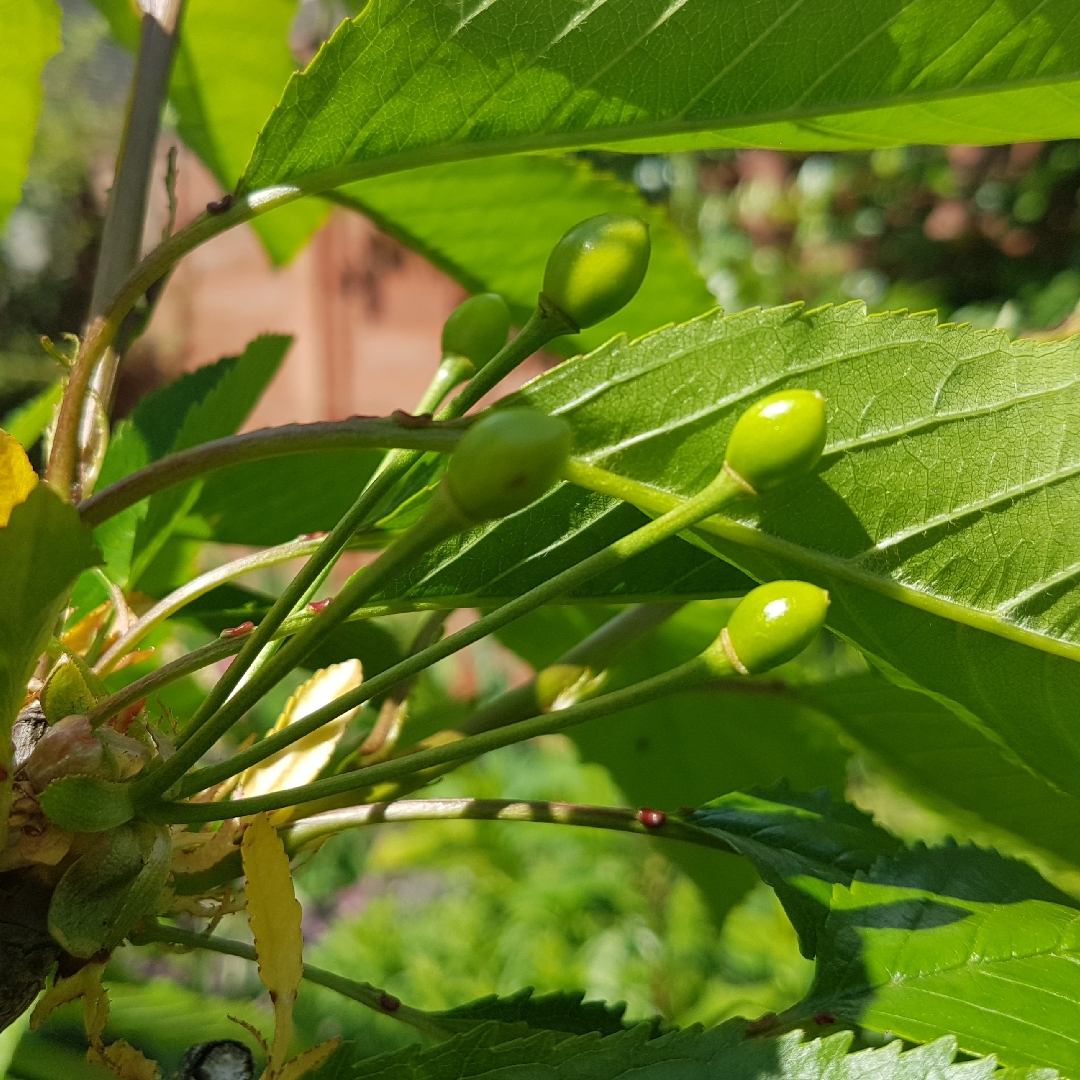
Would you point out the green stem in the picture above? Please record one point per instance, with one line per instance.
(711, 664)
(315, 830)
(151, 932)
(437, 524)
(701, 505)
(452, 371)
(356, 433)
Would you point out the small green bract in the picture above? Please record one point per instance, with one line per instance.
(506, 461)
(774, 623)
(777, 438)
(597, 267)
(477, 329)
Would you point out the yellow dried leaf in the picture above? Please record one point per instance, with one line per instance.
(17, 476)
(308, 1060)
(274, 917)
(123, 1060)
(81, 636)
(85, 984)
(194, 853)
(304, 760)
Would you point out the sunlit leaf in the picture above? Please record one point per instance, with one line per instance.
(17, 476)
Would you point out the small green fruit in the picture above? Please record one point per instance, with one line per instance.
(504, 462)
(477, 329)
(597, 267)
(774, 623)
(778, 438)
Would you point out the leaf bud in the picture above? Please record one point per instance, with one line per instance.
(597, 267)
(772, 624)
(779, 437)
(477, 329)
(505, 461)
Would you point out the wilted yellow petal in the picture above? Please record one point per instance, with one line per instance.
(17, 476)
(85, 984)
(274, 918)
(123, 1060)
(308, 1060)
(194, 853)
(305, 759)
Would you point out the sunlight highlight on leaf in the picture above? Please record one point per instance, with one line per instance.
(274, 917)
(17, 476)
(305, 759)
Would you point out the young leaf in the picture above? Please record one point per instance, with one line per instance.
(274, 918)
(31, 35)
(491, 225)
(956, 940)
(921, 480)
(799, 844)
(209, 403)
(305, 759)
(689, 1055)
(408, 84)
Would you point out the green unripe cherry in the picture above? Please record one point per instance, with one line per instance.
(477, 328)
(596, 268)
(774, 623)
(777, 438)
(506, 461)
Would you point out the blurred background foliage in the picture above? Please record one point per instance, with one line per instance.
(440, 913)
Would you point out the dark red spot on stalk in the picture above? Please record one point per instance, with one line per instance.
(312, 536)
(239, 631)
(651, 819)
(3, 774)
(320, 605)
(389, 1003)
(219, 206)
(823, 1019)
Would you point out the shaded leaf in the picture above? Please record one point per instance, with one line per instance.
(31, 35)
(961, 940)
(799, 844)
(491, 225)
(27, 422)
(208, 403)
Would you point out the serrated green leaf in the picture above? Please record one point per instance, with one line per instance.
(940, 518)
(799, 844)
(414, 82)
(686, 749)
(959, 940)
(31, 35)
(563, 1010)
(209, 403)
(686, 1055)
(491, 225)
(948, 763)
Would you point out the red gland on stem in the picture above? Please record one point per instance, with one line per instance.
(238, 631)
(651, 819)
(320, 605)
(389, 1003)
